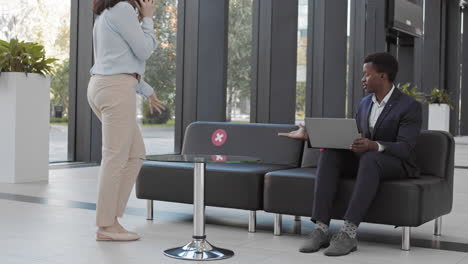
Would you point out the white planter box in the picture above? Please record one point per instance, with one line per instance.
(24, 129)
(439, 117)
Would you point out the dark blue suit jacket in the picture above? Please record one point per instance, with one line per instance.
(397, 127)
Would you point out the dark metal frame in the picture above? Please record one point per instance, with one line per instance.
(201, 63)
(368, 35)
(464, 87)
(273, 96)
(84, 130)
(326, 59)
(451, 64)
(429, 53)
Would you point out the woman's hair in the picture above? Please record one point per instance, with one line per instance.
(100, 5)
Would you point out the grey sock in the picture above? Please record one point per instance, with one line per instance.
(349, 228)
(322, 226)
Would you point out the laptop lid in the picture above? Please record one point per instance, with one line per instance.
(332, 133)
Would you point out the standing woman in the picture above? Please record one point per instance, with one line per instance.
(123, 40)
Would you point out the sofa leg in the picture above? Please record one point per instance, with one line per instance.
(277, 224)
(149, 210)
(405, 238)
(438, 226)
(297, 225)
(252, 221)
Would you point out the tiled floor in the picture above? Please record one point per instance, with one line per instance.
(60, 229)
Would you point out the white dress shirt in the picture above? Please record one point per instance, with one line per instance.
(376, 110)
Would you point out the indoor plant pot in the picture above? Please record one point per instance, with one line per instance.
(439, 110)
(24, 113)
(439, 117)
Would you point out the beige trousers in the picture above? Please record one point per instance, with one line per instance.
(113, 100)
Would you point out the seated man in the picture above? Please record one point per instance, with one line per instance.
(388, 122)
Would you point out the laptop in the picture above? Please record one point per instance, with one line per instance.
(331, 133)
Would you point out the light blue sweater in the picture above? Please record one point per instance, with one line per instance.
(122, 45)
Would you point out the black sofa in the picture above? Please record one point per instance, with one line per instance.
(283, 183)
(406, 203)
(237, 186)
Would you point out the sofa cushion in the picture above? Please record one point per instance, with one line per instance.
(290, 191)
(403, 202)
(227, 185)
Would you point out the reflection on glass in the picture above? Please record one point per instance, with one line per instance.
(301, 58)
(46, 22)
(158, 129)
(239, 61)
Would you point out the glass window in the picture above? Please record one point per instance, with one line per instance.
(239, 61)
(302, 28)
(158, 129)
(46, 22)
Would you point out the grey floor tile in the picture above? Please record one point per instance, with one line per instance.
(57, 233)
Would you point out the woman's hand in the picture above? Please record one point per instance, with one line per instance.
(155, 104)
(301, 133)
(146, 7)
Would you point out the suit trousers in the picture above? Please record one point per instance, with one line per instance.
(368, 168)
(113, 100)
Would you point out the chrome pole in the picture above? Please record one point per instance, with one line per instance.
(149, 210)
(199, 202)
(278, 222)
(252, 221)
(405, 238)
(199, 248)
(438, 226)
(297, 224)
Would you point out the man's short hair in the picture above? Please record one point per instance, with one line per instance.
(384, 62)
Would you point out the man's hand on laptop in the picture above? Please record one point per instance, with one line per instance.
(362, 144)
(301, 133)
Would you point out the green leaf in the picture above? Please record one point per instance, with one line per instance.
(27, 57)
(438, 96)
(412, 91)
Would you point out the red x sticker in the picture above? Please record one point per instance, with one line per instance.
(219, 137)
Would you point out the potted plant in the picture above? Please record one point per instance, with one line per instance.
(24, 111)
(439, 110)
(411, 91)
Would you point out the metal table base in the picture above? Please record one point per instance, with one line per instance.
(199, 248)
